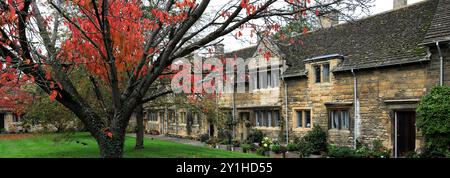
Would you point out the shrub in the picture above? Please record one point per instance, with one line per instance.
(224, 135)
(253, 147)
(318, 139)
(291, 147)
(261, 151)
(266, 143)
(212, 141)
(433, 119)
(236, 143)
(204, 138)
(276, 149)
(255, 137)
(377, 150)
(224, 142)
(153, 132)
(283, 149)
(246, 147)
(412, 154)
(304, 148)
(341, 152)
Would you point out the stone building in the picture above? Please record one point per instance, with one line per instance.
(9, 121)
(364, 79)
(358, 80)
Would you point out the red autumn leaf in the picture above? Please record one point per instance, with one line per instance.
(109, 135)
(53, 95)
(59, 85)
(8, 59)
(48, 75)
(267, 55)
(305, 30)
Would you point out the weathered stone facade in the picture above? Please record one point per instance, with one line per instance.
(352, 80)
(173, 121)
(374, 88)
(10, 122)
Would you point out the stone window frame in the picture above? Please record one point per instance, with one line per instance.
(16, 118)
(182, 121)
(272, 113)
(196, 120)
(339, 109)
(320, 65)
(161, 115)
(294, 118)
(172, 117)
(261, 83)
(156, 115)
(328, 78)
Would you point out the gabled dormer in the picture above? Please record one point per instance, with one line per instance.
(320, 69)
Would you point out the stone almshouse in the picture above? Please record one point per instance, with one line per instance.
(9, 120)
(360, 79)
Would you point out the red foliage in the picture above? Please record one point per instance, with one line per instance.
(127, 34)
(12, 97)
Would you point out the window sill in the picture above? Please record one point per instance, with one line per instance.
(267, 128)
(323, 83)
(266, 89)
(301, 129)
(339, 130)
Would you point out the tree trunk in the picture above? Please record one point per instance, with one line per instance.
(111, 147)
(140, 127)
(110, 138)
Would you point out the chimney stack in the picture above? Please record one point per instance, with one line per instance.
(330, 19)
(400, 3)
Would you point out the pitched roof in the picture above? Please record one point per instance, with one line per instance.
(386, 39)
(440, 27)
(244, 53)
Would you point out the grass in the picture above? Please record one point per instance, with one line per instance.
(66, 146)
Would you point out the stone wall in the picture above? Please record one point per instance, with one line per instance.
(375, 86)
(251, 100)
(176, 128)
(8, 123)
(433, 68)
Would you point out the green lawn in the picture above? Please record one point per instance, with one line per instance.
(66, 146)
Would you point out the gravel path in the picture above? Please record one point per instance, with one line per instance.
(172, 139)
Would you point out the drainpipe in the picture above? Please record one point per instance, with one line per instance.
(234, 110)
(287, 109)
(356, 106)
(441, 65)
(166, 120)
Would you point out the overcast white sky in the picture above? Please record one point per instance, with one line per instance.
(232, 44)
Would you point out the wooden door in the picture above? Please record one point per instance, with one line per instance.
(2, 122)
(406, 132)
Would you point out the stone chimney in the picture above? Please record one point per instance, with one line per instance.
(330, 19)
(219, 50)
(400, 3)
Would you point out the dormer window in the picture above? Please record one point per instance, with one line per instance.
(322, 73)
(326, 72)
(317, 73)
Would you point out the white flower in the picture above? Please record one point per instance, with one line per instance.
(265, 145)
